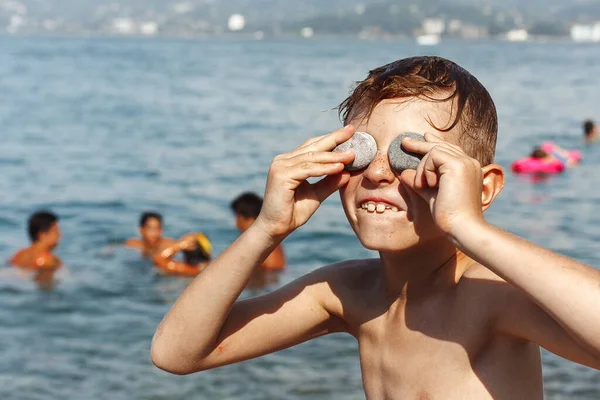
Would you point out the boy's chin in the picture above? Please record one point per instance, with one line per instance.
(389, 242)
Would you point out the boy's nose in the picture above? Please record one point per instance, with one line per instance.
(380, 170)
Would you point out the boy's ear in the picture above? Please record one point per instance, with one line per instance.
(493, 182)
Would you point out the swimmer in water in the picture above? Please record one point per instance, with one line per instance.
(196, 250)
(44, 233)
(151, 232)
(452, 307)
(246, 208)
(590, 131)
(551, 152)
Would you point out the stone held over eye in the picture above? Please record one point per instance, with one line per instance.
(400, 158)
(364, 148)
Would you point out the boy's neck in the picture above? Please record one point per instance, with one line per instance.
(419, 271)
(40, 247)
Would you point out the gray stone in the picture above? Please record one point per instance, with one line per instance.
(364, 148)
(400, 159)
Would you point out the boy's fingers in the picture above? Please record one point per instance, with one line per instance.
(327, 142)
(303, 171)
(407, 179)
(417, 146)
(322, 157)
(437, 138)
(432, 137)
(330, 184)
(421, 147)
(312, 140)
(419, 181)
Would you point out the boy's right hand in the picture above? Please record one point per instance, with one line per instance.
(289, 199)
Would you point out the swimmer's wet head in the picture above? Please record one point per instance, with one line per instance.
(538, 153)
(200, 252)
(364, 147)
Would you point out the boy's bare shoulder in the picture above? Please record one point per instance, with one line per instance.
(21, 257)
(485, 290)
(345, 287)
(134, 243)
(350, 272)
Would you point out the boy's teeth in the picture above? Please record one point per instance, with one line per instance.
(379, 207)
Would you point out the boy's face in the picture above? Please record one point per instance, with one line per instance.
(152, 231)
(378, 186)
(51, 237)
(243, 223)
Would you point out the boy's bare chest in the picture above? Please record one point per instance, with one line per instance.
(422, 353)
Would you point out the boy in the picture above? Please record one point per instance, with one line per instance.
(246, 208)
(454, 308)
(44, 234)
(196, 250)
(590, 131)
(151, 231)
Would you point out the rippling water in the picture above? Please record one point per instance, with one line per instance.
(99, 130)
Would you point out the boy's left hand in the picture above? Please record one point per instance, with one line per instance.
(448, 180)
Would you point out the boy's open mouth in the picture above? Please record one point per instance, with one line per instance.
(377, 207)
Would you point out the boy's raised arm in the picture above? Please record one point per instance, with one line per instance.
(205, 327)
(560, 309)
(566, 290)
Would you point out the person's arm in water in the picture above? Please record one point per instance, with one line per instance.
(557, 301)
(164, 259)
(224, 331)
(275, 261)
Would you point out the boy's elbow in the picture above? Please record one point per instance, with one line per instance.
(170, 361)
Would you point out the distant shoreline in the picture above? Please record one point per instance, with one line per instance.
(317, 37)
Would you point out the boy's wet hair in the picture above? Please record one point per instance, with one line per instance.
(588, 127)
(201, 252)
(150, 215)
(538, 153)
(40, 222)
(427, 78)
(247, 205)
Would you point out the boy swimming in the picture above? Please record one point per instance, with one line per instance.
(246, 208)
(151, 238)
(453, 308)
(44, 233)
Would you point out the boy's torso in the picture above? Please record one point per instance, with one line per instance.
(440, 346)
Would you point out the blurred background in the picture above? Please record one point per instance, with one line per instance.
(111, 108)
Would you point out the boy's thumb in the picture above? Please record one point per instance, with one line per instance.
(330, 184)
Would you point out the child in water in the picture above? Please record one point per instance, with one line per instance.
(151, 238)
(453, 307)
(44, 233)
(196, 250)
(246, 208)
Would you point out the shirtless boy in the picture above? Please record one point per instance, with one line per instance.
(453, 308)
(44, 233)
(151, 238)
